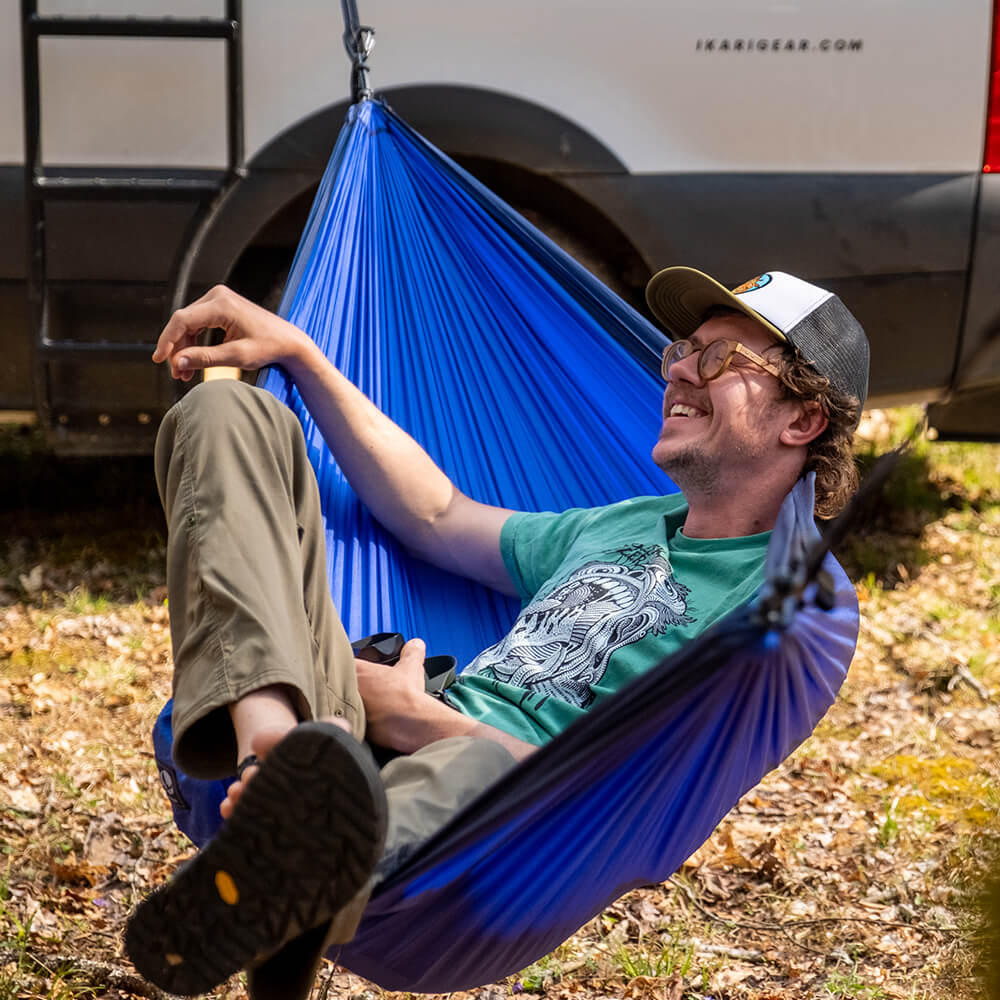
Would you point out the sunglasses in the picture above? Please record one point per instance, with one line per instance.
(713, 359)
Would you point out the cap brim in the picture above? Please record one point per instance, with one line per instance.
(679, 297)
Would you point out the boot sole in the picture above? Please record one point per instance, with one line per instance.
(300, 844)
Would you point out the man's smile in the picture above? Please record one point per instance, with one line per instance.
(685, 410)
(683, 405)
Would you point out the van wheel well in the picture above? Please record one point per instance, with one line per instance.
(570, 221)
(566, 218)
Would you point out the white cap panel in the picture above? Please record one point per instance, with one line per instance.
(782, 299)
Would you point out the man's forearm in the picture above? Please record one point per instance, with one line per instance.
(395, 477)
(379, 458)
(436, 721)
(518, 749)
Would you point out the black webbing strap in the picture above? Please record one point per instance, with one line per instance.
(359, 40)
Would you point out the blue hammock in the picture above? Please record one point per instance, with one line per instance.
(534, 387)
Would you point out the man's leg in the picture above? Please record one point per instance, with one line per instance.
(252, 622)
(256, 639)
(426, 789)
(257, 647)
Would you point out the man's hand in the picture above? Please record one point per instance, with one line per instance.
(394, 697)
(402, 716)
(254, 337)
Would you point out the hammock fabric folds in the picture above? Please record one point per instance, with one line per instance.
(534, 387)
(481, 338)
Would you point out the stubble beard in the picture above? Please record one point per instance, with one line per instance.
(693, 471)
(697, 471)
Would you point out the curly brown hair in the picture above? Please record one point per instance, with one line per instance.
(831, 455)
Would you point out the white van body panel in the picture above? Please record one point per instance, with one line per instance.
(859, 86)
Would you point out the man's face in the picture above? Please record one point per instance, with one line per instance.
(717, 435)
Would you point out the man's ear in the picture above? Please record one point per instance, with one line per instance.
(807, 423)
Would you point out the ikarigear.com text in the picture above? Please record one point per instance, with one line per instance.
(778, 45)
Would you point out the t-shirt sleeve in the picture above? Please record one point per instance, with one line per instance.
(534, 546)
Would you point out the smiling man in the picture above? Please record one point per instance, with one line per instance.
(764, 384)
(736, 444)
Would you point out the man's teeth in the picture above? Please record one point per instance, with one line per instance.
(680, 410)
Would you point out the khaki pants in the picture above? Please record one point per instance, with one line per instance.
(250, 604)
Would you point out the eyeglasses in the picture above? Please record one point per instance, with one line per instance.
(713, 359)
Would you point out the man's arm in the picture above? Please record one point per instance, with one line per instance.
(394, 477)
(402, 716)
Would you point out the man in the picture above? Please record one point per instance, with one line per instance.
(763, 384)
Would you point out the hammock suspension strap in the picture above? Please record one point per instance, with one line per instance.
(359, 40)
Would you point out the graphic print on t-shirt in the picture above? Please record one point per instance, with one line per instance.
(561, 643)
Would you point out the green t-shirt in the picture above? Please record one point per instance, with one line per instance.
(608, 592)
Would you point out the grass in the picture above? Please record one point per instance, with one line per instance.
(541, 974)
(657, 961)
(950, 789)
(852, 986)
(15, 938)
(79, 601)
(930, 482)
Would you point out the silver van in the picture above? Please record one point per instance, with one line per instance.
(856, 144)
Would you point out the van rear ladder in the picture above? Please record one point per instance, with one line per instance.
(60, 362)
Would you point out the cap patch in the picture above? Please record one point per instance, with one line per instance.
(748, 286)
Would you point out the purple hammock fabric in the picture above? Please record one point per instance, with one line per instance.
(473, 331)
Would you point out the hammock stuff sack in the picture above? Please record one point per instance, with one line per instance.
(535, 388)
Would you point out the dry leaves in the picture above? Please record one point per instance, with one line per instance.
(847, 872)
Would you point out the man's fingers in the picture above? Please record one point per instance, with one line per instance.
(414, 649)
(214, 309)
(254, 337)
(174, 334)
(193, 359)
(412, 656)
(184, 324)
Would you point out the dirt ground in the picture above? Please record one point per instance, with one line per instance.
(858, 869)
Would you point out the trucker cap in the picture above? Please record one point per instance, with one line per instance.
(812, 319)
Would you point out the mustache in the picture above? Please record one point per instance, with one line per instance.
(685, 399)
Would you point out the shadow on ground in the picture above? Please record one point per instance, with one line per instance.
(885, 544)
(92, 522)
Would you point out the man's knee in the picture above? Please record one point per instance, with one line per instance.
(427, 788)
(224, 405)
(221, 401)
(224, 417)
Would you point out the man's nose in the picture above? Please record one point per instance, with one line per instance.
(686, 369)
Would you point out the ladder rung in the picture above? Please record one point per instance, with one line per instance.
(84, 350)
(83, 186)
(132, 27)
